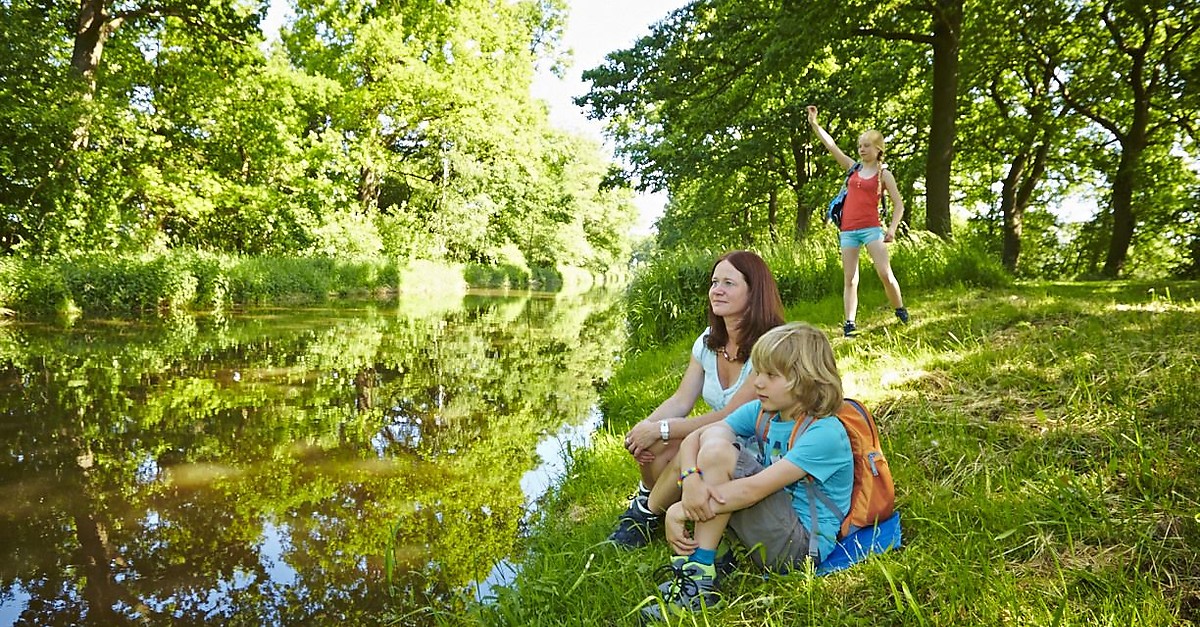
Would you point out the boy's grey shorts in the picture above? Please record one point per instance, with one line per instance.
(770, 527)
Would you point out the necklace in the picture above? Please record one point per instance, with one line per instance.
(725, 354)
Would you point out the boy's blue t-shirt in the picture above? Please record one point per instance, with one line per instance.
(822, 451)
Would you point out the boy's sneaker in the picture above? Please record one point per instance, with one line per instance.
(848, 329)
(636, 526)
(902, 314)
(726, 561)
(692, 588)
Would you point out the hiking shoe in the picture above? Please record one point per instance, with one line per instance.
(849, 330)
(692, 588)
(902, 314)
(726, 561)
(636, 526)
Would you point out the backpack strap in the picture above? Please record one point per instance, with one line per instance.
(815, 494)
(849, 172)
(882, 196)
(814, 549)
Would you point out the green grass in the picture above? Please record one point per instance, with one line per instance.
(1044, 441)
(666, 299)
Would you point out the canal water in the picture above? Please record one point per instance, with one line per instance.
(354, 463)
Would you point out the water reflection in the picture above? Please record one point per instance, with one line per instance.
(349, 463)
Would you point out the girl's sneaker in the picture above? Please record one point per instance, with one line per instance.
(848, 329)
(902, 314)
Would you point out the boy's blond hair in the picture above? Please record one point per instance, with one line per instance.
(801, 354)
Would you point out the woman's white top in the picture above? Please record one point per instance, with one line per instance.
(715, 395)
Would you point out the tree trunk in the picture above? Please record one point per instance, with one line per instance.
(368, 189)
(1133, 144)
(797, 179)
(91, 32)
(1013, 215)
(1015, 195)
(773, 215)
(947, 25)
(1122, 212)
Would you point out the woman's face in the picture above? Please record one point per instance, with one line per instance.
(729, 293)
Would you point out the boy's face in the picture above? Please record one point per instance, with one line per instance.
(775, 393)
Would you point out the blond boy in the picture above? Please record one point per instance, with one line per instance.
(755, 489)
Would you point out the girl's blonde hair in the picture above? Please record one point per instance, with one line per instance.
(801, 354)
(876, 139)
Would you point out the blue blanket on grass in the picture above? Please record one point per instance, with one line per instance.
(857, 546)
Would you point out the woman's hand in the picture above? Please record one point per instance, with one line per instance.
(640, 438)
(678, 535)
(812, 114)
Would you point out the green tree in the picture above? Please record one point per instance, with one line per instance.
(1137, 94)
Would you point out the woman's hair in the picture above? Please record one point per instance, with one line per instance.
(876, 139)
(764, 308)
(801, 354)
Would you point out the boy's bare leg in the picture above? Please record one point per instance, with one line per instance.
(718, 457)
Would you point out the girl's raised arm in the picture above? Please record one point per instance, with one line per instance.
(843, 160)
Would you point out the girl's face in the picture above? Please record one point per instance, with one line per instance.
(729, 293)
(867, 152)
(775, 394)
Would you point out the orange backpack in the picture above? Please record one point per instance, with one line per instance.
(873, 497)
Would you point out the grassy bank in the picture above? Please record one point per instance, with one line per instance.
(666, 299)
(1044, 439)
(112, 285)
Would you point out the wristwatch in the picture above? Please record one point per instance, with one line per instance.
(664, 429)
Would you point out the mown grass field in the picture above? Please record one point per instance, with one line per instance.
(1044, 439)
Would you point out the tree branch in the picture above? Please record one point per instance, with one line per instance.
(893, 35)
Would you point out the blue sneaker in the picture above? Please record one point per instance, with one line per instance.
(692, 588)
(636, 526)
(849, 330)
(902, 314)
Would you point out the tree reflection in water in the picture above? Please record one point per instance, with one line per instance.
(309, 466)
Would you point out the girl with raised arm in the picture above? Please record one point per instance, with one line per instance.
(860, 219)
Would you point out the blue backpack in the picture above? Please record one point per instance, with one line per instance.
(834, 212)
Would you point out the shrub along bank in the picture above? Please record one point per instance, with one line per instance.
(123, 285)
(1044, 442)
(666, 298)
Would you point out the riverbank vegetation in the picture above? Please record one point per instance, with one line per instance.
(389, 133)
(172, 282)
(1044, 446)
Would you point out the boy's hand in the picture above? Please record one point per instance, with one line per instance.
(697, 500)
(677, 532)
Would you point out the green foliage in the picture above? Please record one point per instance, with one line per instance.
(406, 130)
(106, 285)
(1045, 459)
(1039, 101)
(504, 275)
(667, 298)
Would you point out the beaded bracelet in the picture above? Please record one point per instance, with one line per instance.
(690, 471)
